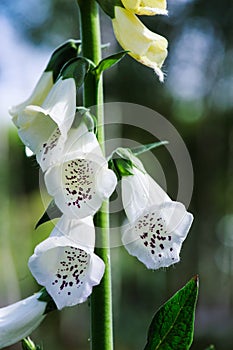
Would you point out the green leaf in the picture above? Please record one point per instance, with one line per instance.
(45, 296)
(108, 6)
(76, 68)
(144, 148)
(173, 324)
(52, 212)
(62, 55)
(108, 62)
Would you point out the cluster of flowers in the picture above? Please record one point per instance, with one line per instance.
(143, 45)
(79, 178)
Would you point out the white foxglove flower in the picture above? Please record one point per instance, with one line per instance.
(40, 127)
(146, 7)
(20, 319)
(157, 225)
(143, 45)
(82, 180)
(65, 263)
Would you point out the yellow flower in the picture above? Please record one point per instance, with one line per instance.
(143, 45)
(146, 7)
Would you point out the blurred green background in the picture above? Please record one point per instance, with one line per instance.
(197, 98)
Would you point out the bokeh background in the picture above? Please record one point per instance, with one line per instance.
(197, 98)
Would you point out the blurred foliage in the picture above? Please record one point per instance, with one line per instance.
(197, 97)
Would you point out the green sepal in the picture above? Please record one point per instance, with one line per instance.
(52, 212)
(108, 6)
(83, 114)
(144, 148)
(45, 296)
(173, 324)
(28, 344)
(121, 167)
(122, 161)
(108, 62)
(61, 55)
(76, 68)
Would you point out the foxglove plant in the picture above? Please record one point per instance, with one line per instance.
(65, 263)
(72, 156)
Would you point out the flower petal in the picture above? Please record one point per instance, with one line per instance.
(106, 182)
(146, 7)
(37, 97)
(156, 237)
(60, 104)
(80, 232)
(51, 151)
(35, 127)
(66, 268)
(139, 191)
(20, 319)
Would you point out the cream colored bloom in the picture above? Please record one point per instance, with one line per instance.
(146, 7)
(145, 46)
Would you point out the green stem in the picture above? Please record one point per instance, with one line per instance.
(101, 298)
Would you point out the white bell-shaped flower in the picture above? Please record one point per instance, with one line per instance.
(65, 263)
(157, 225)
(81, 180)
(20, 319)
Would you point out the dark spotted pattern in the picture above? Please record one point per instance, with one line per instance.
(151, 229)
(78, 182)
(71, 270)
